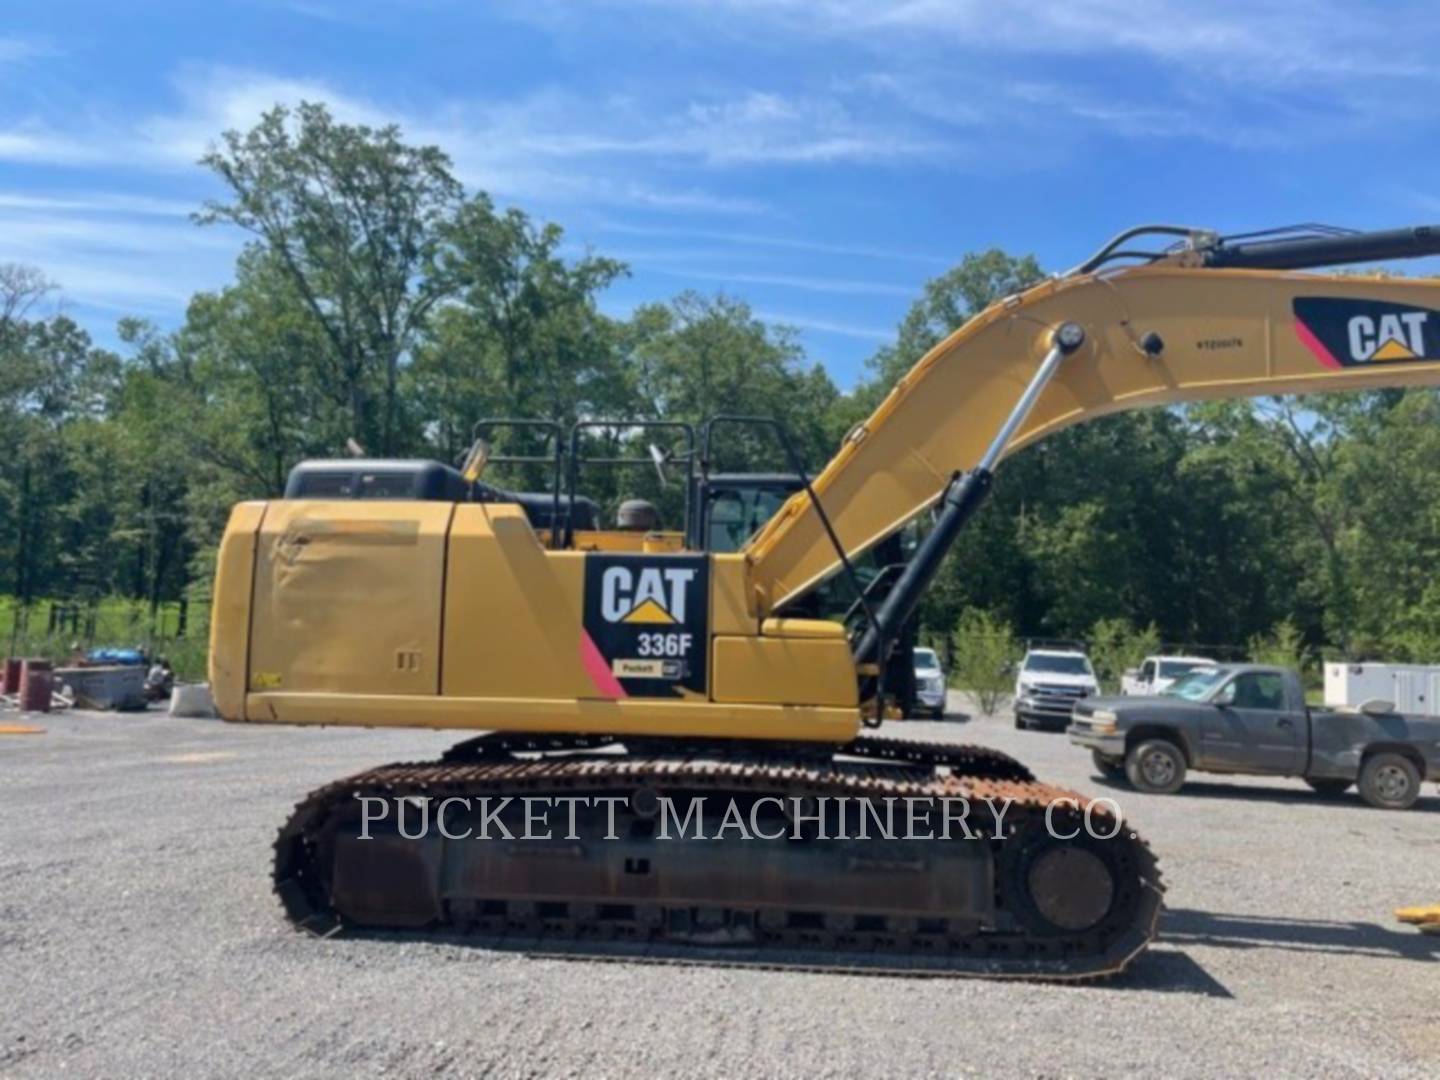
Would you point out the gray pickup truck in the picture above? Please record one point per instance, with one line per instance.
(1249, 718)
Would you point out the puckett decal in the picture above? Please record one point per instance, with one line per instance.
(1357, 333)
(646, 627)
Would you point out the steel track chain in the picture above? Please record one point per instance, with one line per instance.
(907, 769)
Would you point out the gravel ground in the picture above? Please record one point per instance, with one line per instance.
(138, 937)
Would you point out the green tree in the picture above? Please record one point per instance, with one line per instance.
(1282, 646)
(1116, 646)
(524, 336)
(1386, 480)
(700, 356)
(946, 304)
(55, 388)
(353, 218)
(256, 381)
(985, 652)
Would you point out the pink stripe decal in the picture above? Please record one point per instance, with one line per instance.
(1316, 346)
(598, 670)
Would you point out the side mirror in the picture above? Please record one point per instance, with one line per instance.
(659, 457)
(475, 461)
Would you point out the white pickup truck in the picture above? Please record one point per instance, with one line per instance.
(1156, 674)
(1047, 686)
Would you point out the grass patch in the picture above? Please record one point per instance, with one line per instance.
(54, 629)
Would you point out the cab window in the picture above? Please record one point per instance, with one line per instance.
(735, 516)
(1259, 690)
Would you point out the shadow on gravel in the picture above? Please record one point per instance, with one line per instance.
(1182, 926)
(1289, 796)
(1167, 971)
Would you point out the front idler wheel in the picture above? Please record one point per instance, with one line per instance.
(1058, 886)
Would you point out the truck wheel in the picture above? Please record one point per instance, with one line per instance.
(1020, 724)
(1156, 767)
(1108, 767)
(1330, 788)
(1389, 782)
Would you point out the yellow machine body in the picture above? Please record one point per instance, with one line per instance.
(443, 615)
(459, 615)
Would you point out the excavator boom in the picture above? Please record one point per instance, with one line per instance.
(1173, 331)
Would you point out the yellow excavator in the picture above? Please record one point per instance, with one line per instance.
(621, 675)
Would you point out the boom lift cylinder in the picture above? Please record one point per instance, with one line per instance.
(961, 499)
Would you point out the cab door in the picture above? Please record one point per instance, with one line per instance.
(1253, 729)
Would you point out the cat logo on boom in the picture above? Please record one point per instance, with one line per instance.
(1392, 336)
(652, 595)
(1343, 333)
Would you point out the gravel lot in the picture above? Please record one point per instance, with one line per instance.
(138, 937)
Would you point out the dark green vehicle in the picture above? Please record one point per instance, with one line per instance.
(1252, 719)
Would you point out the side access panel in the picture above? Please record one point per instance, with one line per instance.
(512, 611)
(785, 671)
(348, 597)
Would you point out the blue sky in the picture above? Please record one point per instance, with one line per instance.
(820, 158)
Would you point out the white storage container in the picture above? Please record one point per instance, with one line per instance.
(1413, 688)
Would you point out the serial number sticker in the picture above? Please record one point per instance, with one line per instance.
(647, 669)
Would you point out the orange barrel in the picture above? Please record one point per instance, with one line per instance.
(37, 681)
(11, 683)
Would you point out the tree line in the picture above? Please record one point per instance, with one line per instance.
(379, 303)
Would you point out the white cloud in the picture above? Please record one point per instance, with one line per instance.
(526, 147)
(804, 282)
(116, 251)
(14, 50)
(530, 148)
(1258, 40)
(35, 143)
(99, 202)
(827, 326)
(1248, 73)
(792, 243)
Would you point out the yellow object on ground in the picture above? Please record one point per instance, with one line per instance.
(1426, 918)
(20, 729)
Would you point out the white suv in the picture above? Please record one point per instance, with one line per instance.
(1048, 685)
